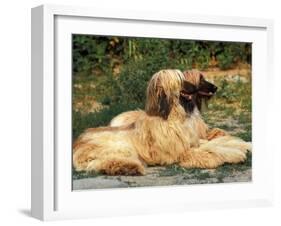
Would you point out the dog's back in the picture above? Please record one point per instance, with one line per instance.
(126, 118)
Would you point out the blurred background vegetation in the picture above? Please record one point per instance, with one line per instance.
(110, 76)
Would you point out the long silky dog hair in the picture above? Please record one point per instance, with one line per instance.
(192, 103)
(162, 135)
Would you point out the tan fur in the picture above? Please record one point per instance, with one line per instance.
(126, 118)
(193, 76)
(154, 139)
(216, 132)
(194, 121)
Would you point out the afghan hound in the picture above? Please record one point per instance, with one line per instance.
(204, 90)
(160, 136)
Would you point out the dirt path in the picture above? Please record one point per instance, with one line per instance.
(161, 176)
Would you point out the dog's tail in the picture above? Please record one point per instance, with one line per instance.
(84, 160)
(211, 154)
(126, 118)
(105, 154)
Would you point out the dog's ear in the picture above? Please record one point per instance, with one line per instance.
(164, 105)
(206, 87)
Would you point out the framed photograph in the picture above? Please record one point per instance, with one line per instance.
(147, 112)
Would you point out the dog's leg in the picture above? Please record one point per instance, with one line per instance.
(228, 141)
(214, 153)
(87, 157)
(209, 159)
(110, 166)
(119, 166)
(216, 132)
(201, 159)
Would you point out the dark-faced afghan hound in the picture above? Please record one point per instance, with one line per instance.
(192, 103)
(161, 135)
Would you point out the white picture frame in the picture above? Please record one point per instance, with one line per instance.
(52, 197)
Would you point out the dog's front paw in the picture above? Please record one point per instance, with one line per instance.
(216, 132)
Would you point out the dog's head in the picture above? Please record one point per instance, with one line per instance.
(164, 91)
(188, 96)
(168, 88)
(205, 89)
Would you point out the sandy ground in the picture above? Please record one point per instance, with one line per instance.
(159, 176)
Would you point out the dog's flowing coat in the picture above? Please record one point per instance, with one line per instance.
(161, 135)
(205, 90)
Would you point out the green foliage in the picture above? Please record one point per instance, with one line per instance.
(229, 168)
(172, 170)
(108, 90)
(246, 136)
(134, 77)
(133, 81)
(225, 60)
(101, 54)
(83, 174)
(226, 90)
(94, 53)
(230, 54)
(235, 91)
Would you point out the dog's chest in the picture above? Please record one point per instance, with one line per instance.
(193, 126)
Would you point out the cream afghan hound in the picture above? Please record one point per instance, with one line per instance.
(204, 91)
(162, 135)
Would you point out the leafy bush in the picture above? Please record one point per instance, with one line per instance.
(103, 54)
(225, 60)
(95, 53)
(108, 90)
(233, 91)
(134, 77)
